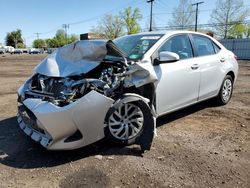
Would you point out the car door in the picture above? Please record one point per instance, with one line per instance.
(209, 60)
(178, 84)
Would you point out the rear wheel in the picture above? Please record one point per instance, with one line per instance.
(126, 122)
(226, 91)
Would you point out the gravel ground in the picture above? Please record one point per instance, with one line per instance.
(200, 146)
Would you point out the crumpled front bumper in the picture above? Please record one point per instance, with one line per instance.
(63, 128)
(36, 135)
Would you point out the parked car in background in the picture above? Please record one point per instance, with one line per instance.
(35, 51)
(2, 51)
(25, 50)
(51, 50)
(94, 89)
(18, 51)
(9, 49)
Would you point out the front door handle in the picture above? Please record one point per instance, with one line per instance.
(194, 66)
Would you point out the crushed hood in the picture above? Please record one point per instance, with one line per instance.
(77, 58)
(85, 55)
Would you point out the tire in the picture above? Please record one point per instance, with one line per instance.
(226, 91)
(126, 123)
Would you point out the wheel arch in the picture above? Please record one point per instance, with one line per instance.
(146, 136)
(231, 73)
(147, 91)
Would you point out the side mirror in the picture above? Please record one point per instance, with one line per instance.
(167, 57)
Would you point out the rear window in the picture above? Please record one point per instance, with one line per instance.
(216, 48)
(204, 46)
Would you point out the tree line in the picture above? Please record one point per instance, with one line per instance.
(226, 21)
(15, 39)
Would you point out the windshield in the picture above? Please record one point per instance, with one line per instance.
(135, 46)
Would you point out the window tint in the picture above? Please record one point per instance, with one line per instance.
(180, 45)
(204, 45)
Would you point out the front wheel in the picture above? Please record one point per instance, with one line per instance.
(126, 123)
(226, 91)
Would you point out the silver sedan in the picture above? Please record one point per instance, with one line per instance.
(95, 89)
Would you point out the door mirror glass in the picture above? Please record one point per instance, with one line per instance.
(166, 57)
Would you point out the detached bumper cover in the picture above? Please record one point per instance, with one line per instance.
(35, 135)
(52, 125)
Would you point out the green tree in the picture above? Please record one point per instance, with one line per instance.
(39, 43)
(61, 37)
(110, 27)
(238, 31)
(72, 38)
(13, 38)
(52, 43)
(130, 19)
(247, 31)
(20, 45)
(183, 15)
(227, 15)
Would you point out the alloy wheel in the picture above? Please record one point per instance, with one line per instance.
(126, 121)
(227, 90)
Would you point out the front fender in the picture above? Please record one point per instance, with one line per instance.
(146, 138)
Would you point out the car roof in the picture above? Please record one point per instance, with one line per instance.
(170, 32)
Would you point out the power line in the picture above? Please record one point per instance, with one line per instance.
(83, 21)
(160, 5)
(151, 13)
(205, 10)
(196, 12)
(115, 9)
(50, 31)
(200, 25)
(98, 16)
(65, 27)
(163, 3)
(37, 35)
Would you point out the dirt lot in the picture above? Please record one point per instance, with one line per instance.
(200, 146)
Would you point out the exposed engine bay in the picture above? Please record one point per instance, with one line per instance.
(107, 79)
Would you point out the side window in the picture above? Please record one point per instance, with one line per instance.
(204, 45)
(180, 45)
(216, 48)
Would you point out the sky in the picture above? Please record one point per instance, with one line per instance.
(47, 16)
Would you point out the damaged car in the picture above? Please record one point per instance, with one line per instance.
(95, 89)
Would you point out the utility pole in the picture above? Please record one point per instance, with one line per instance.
(151, 13)
(65, 27)
(196, 13)
(37, 35)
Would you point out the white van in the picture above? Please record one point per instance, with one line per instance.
(9, 49)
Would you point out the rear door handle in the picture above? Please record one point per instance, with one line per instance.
(194, 66)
